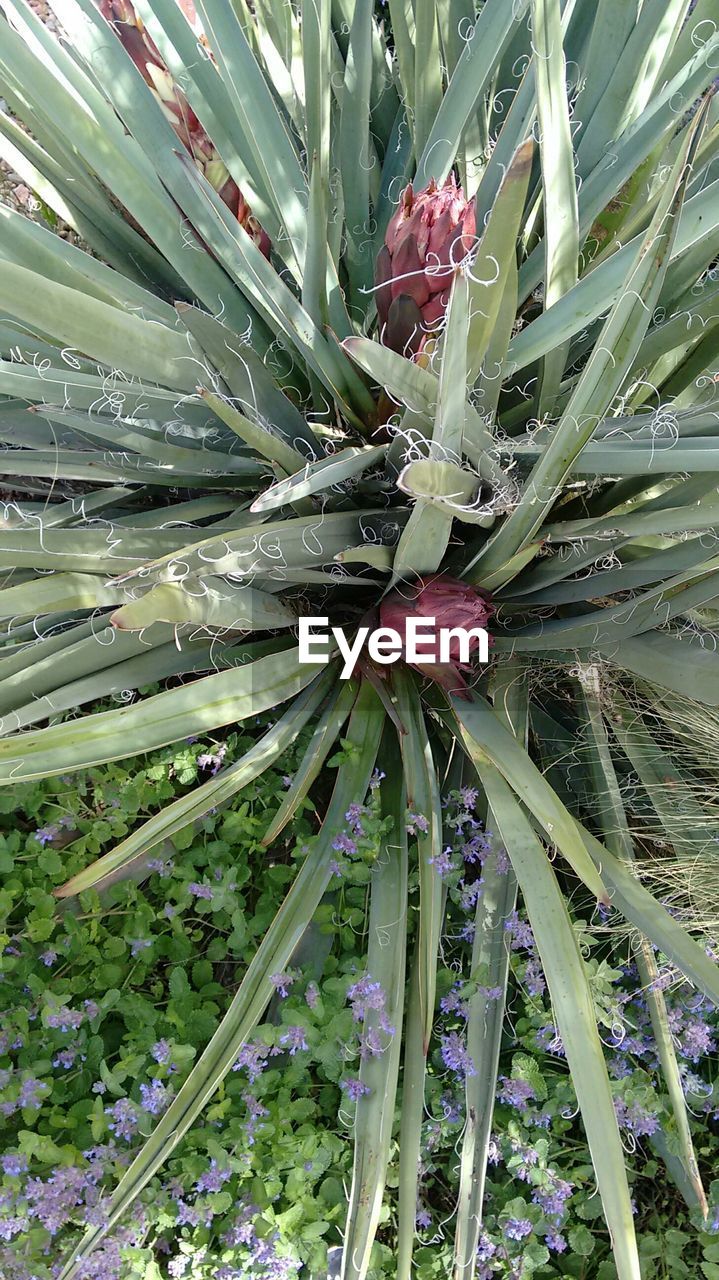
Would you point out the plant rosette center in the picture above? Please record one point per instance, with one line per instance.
(436, 627)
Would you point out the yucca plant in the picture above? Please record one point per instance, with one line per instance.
(281, 381)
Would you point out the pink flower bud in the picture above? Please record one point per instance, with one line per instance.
(452, 604)
(138, 43)
(428, 236)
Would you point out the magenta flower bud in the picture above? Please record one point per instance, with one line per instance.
(453, 605)
(428, 236)
(138, 43)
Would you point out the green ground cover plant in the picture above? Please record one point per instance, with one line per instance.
(105, 1008)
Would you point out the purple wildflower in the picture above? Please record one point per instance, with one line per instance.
(443, 863)
(555, 1241)
(534, 978)
(10, 1227)
(515, 1093)
(548, 1039)
(523, 1160)
(294, 1038)
(212, 759)
(355, 816)
(363, 995)
(32, 1093)
(637, 1119)
(455, 1055)
(451, 1110)
(46, 834)
(155, 1097)
(178, 1265)
(517, 1228)
(252, 1058)
(354, 1088)
(696, 1040)
(161, 1051)
(191, 1215)
(54, 1202)
(200, 890)
(343, 843)
(486, 1248)
(123, 1118)
(282, 983)
(470, 894)
(213, 1178)
(65, 1058)
(503, 864)
(453, 1002)
(521, 931)
(163, 866)
(256, 1113)
(552, 1198)
(64, 1019)
(371, 1044)
(475, 849)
